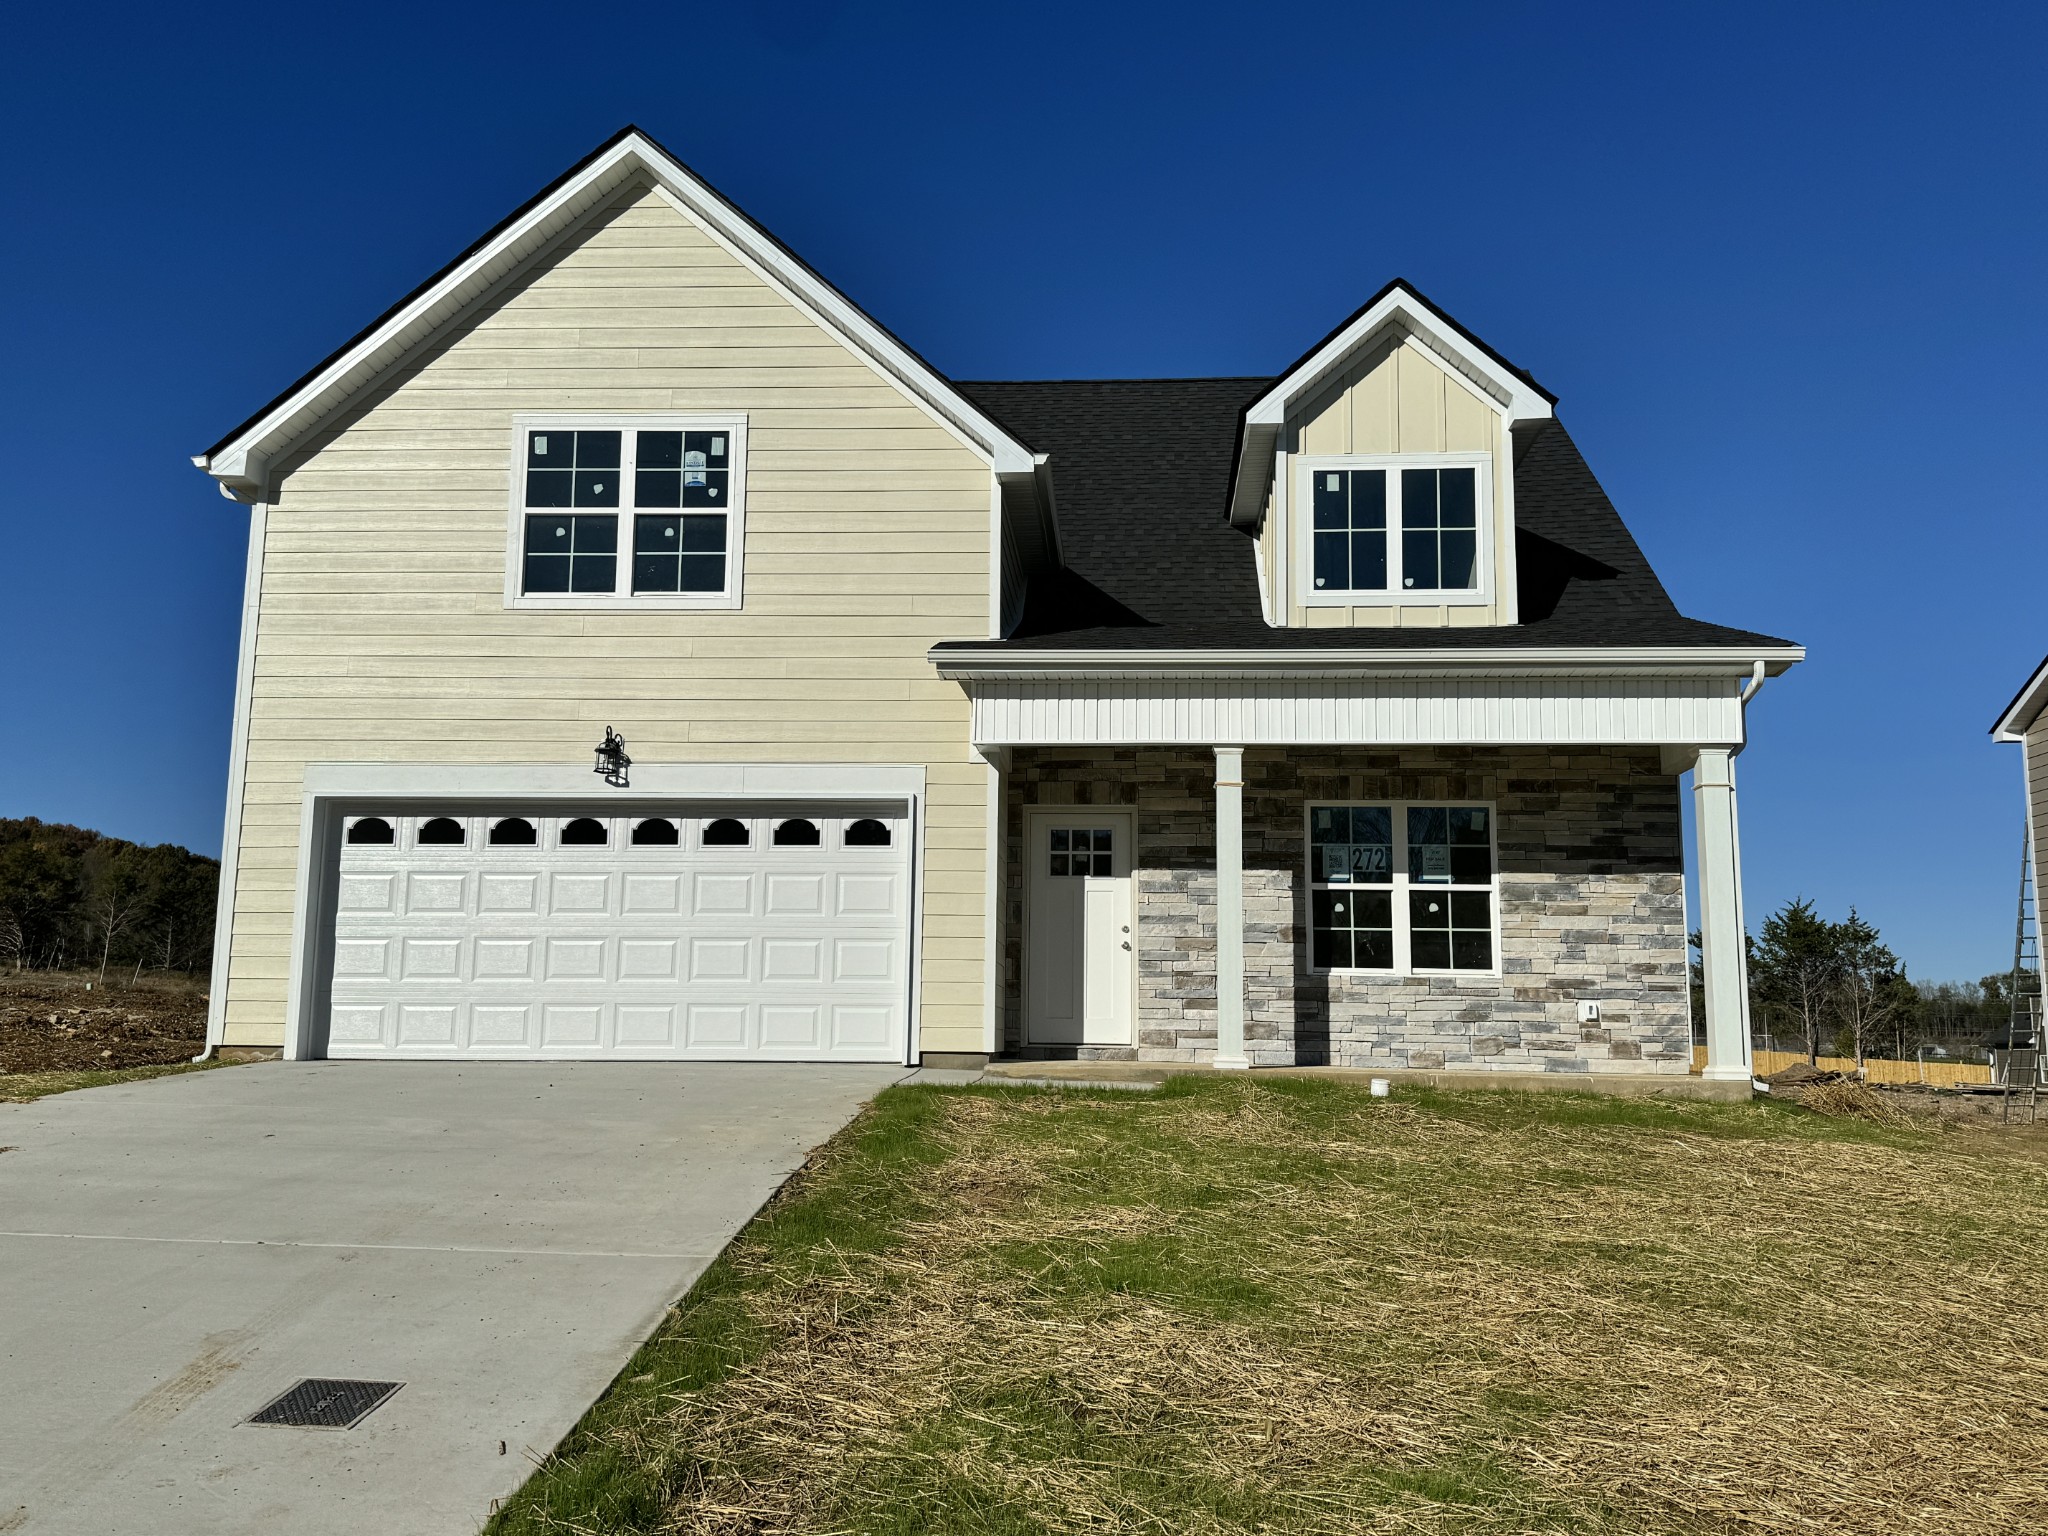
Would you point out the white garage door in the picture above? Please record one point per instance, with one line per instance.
(708, 935)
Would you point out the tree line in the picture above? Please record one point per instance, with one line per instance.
(1833, 987)
(73, 898)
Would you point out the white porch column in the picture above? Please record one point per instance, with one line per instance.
(1723, 954)
(1230, 1054)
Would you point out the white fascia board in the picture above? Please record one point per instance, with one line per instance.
(650, 781)
(1512, 394)
(525, 236)
(1674, 661)
(2024, 709)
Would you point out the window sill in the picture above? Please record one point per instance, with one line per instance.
(1408, 597)
(1411, 975)
(653, 602)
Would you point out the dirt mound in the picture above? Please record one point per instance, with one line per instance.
(52, 1022)
(1801, 1075)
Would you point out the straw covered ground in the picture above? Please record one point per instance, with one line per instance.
(1285, 1307)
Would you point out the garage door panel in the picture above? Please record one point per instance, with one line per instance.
(864, 960)
(437, 959)
(652, 895)
(856, 1028)
(789, 1028)
(790, 952)
(505, 959)
(427, 1026)
(786, 960)
(435, 894)
(357, 1024)
(716, 1028)
(725, 959)
(649, 959)
(579, 894)
(509, 894)
(576, 1026)
(362, 958)
(501, 1026)
(646, 1026)
(574, 960)
(721, 895)
(871, 896)
(796, 895)
(369, 893)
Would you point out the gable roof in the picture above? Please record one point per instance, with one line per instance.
(239, 459)
(1139, 465)
(2019, 716)
(1399, 307)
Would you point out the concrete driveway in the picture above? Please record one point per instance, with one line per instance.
(496, 1236)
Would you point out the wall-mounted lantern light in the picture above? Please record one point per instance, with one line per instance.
(612, 761)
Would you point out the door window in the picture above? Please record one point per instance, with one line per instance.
(1081, 851)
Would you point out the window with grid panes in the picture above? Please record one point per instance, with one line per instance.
(676, 487)
(1400, 887)
(1396, 529)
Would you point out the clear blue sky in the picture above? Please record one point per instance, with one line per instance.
(1783, 265)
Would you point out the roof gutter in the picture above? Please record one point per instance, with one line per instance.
(974, 664)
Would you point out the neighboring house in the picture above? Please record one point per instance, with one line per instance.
(2025, 723)
(1327, 717)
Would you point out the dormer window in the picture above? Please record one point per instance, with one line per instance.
(1397, 528)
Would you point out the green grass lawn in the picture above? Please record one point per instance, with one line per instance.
(1282, 1306)
(21, 1087)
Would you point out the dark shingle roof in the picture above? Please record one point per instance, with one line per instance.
(1141, 471)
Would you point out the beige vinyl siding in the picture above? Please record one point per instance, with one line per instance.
(1397, 399)
(384, 636)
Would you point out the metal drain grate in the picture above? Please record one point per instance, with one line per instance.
(319, 1403)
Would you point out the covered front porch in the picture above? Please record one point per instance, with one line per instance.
(1406, 907)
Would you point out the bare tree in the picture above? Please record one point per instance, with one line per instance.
(13, 939)
(114, 899)
(1869, 989)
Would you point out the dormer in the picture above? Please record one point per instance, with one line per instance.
(1377, 474)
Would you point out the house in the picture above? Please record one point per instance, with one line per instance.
(1326, 717)
(2022, 723)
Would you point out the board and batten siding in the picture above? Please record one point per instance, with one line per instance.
(383, 635)
(1396, 399)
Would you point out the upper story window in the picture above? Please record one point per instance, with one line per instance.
(628, 512)
(1398, 528)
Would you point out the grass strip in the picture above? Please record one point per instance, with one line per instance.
(26, 1087)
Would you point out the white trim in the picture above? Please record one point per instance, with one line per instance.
(332, 789)
(1393, 594)
(992, 987)
(1229, 827)
(967, 665)
(2021, 713)
(491, 264)
(1400, 886)
(623, 597)
(1625, 710)
(1507, 391)
(238, 761)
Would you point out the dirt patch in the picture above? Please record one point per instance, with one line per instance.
(55, 1022)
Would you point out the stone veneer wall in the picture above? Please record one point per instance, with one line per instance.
(1591, 893)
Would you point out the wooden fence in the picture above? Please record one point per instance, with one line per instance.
(1937, 1074)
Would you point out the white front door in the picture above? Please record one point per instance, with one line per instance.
(1078, 984)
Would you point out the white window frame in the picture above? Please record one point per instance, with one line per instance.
(1395, 594)
(623, 597)
(1400, 886)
